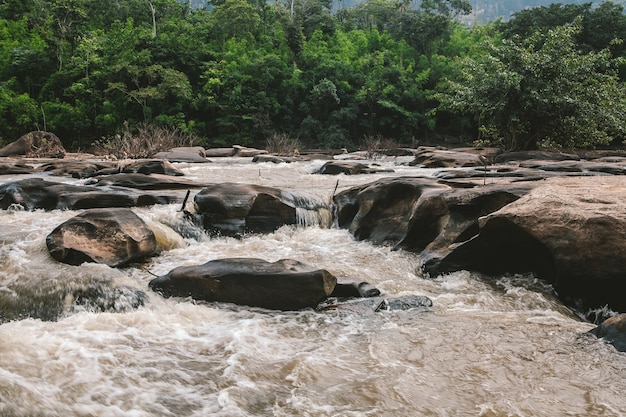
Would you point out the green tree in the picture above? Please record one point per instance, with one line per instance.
(541, 92)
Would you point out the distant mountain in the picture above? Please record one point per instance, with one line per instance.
(483, 11)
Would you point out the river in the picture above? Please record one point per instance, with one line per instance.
(489, 347)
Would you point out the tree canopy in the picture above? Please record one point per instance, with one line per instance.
(239, 71)
(541, 92)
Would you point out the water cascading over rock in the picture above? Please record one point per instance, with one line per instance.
(233, 209)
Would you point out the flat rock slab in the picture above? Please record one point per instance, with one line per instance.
(435, 158)
(78, 169)
(192, 154)
(282, 285)
(36, 193)
(347, 168)
(144, 182)
(13, 168)
(114, 237)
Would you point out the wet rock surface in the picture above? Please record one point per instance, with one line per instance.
(235, 209)
(37, 193)
(144, 182)
(282, 285)
(347, 168)
(613, 331)
(114, 237)
(570, 231)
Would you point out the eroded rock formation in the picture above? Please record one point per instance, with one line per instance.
(569, 231)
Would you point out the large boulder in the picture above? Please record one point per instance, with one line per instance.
(342, 167)
(36, 193)
(570, 231)
(36, 144)
(283, 285)
(114, 237)
(234, 209)
(419, 214)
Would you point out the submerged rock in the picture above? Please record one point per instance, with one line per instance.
(613, 331)
(283, 285)
(348, 288)
(379, 303)
(114, 237)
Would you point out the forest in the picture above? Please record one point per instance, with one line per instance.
(244, 71)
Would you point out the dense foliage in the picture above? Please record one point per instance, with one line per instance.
(243, 71)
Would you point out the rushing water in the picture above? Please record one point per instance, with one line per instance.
(489, 347)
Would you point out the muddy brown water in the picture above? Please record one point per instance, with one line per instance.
(490, 348)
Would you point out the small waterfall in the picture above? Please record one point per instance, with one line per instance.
(321, 216)
(312, 211)
(166, 237)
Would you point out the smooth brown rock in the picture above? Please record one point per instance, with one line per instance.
(419, 213)
(282, 285)
(114, 237)
(78, 169)
(571, 231)
(36, 193)
(234, 209)
(438, 158)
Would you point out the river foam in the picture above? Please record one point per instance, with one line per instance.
(501, 346)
